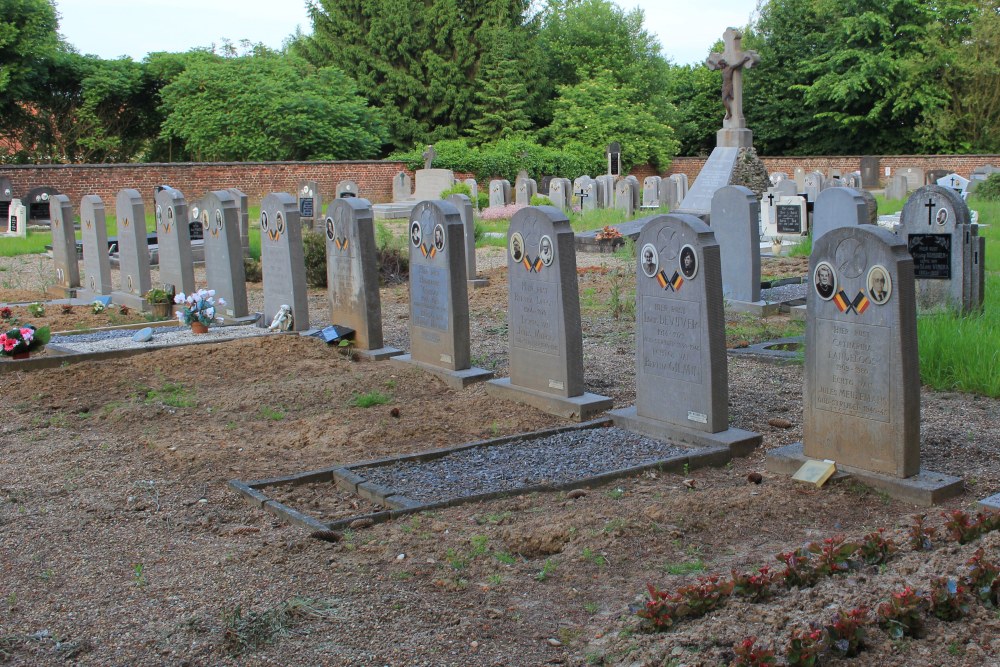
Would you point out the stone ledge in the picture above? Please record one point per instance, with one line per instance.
(379, 354)
(454, 379)
(739, 442)
(577, 408)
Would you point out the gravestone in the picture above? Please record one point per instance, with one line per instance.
(717, 173)
(430, 183)
(861, 399)
(133, 251)
(525, 189)
(605, 191)
(173, 238)
(473, 191)
(499, 192)
(735, 216)
(932, 176)
(623, 197)
(800, 179)
(614, 155)
(464, 206)
(243, 203)
(347, 188)
(439, 296)
(17, 219)
(788, 216)
(787, 188)
(896, 188)
(63, 249)
(38, 202)
(224, 271)
(870, 175)
(676, 190)
(282, 260)
(352, 275)
(955, 182)
(310, 204)
(589, 194)
(838, 207)
(682, 391)
(402, 187)
(948, 253)
(561, 193)
(543, 315)
(6, 196)
(636, 191)
(96, 265)
(914, 177)
(833, 172)
(777, 176)
(814, 182)
(544, 185)
(651, 191)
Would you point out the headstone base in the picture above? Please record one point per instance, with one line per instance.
(734, 138)
(454, 379)
(798, 313)
(578, 408)
(925, 489)
(739, 442)
(131, 300)
(759, 308)
(479, 283)
(58, 292)
(992, 503)
(380, 354)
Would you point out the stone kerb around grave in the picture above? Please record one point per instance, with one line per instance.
(173, 239)
(96, 265)
(63, 249)
(682, 392)
(133, 250)
(282, 261)
(224, 270)
(861, 399)
(439, 296)
(946, 248)
(352, 275)
(543, 317)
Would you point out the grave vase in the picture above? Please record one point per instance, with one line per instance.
(21, 355)
(199, 328)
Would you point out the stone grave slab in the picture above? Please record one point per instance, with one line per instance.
(464, 206)
(838, 207)
(96, 265)
(282, 260)
(352, 275)
(735, 215)
(636, 191)
(682, 391)
(861, 399)
(133, 251)
(717, 173)
(543, 315)
(63, 249)
(499, 192)
(561, 193)
(173, 239)
(224, 271)
(439, 296)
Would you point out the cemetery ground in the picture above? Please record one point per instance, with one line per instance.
(122, 544)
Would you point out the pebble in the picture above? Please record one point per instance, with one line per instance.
(143, 335)
(554, 642)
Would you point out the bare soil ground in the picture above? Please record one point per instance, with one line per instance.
(120, 543)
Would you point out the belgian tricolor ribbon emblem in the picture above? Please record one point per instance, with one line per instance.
(673, 283)
(428, 251)
(532, 266)
(341, 244)
(844, 304)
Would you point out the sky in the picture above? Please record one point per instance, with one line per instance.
(113, 28)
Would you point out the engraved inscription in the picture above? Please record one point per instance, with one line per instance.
(931, 255)
(672, 333)
(429, 296)
(789, 219)
(853, 371)
(533, 316)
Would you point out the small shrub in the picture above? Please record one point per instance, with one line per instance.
(805, 646)
(876, 548)
(540, 200)
(67, 309)
(252, 269)
(983, 578)
(457, 189)
(314, 245)
(754, 586)
(949, 600)
(847, 632)
(748, 654)
(989, 189)
(921, 534)
(833, 556)
(961, 527)
(482, 200)
(6, 313)
(903, 614)
(36, 309)
(799, 568)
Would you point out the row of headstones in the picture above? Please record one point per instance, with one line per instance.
(596, 193)
(309, 200)
(902, 184)
(35, 203)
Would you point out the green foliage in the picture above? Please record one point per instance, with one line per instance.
(314, 246)
(694, 91)
(540, 200)
(457, 189)
(990, 189)
(501, 94)
(268, 106)
(369, 399)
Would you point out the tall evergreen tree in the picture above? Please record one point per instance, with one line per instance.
(501, 95)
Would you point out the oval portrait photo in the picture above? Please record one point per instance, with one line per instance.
(415, 233)
(825, 280)
(517, 247)
(649, 260)
(879, 284)
(439, 237)
(689, 262)
(545, 250)
(942, 216)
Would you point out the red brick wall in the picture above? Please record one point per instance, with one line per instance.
(960, 164)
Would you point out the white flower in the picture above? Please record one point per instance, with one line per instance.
(179, 298)
(210, 312)
(180, 317)
(222, 301)
(211, 292)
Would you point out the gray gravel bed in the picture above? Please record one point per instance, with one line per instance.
(555, 459)
(122, 340)
(784, 293)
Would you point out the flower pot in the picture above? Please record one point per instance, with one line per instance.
(199, 328)
(162, 310)
(776, 249)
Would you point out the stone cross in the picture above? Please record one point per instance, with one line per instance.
(428, 156)
(731, 61)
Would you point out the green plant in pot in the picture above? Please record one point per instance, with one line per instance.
(160, 300)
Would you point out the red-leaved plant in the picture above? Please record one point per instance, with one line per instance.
(921, 534)
(983, 578)
(799, 568)
(876, 548)
(663, 609)
(903, 614)
(805, 645)
(847, 631)
(949, 600)
(833, 556)
(961, 527)
(754, 586)
(748, 654)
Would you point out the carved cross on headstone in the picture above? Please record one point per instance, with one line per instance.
(732, 61)
(930, 210)
(428, 156)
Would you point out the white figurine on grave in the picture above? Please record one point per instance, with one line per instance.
(282, 319)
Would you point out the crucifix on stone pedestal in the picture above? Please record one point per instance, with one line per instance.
(428, 156)
(732, 61)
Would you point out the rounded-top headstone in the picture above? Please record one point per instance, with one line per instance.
(839, 207)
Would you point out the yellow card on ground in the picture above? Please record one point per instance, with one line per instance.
(815, 472)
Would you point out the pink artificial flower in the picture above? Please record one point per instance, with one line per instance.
(8, 343)
(27, 334)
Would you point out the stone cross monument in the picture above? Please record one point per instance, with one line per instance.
(731, 61)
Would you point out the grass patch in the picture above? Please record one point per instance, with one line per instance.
(369, 399)
(171, 394)
(684, 567)
(244, 632)
(273, 414)
(751, 329)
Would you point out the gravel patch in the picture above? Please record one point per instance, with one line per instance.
(554, 459)
(783, 293)
(104, 341)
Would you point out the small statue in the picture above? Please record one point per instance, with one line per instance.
(282, 319)
(428, 156)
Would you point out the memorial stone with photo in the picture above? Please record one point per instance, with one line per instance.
(310, 204)
(17, 219)
(173, 238)
(96, 264)
(282, 262)
(499, 192)
(561, 193)
(224, 272)
(133, 251)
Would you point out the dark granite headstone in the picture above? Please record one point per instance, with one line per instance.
(870, 174)
(37, 200)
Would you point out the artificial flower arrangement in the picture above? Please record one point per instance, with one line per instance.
(200, 306)
(97, 307)
(22, 339)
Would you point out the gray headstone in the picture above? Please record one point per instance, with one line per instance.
(561, 193)
(838, 207)
(348, 188)
(464, 206)
(96, 265)
(352, 271)
(605, 191)
(932, 176)
(896, 188)
(589, 193)
(525, 189)
(674, 190)
(777, 176)
(800, 178)
(852, 180)
(64, 243)
(224, 271)
(787, 188)
(870, 176)
(947, 251)
(651, 191)
(735, 212)
(543, 314)
(473, 191)
(914, 177)
(430, 183)
(173, 238)
(636, 194)
(623, 196)
(243, 203)
(717, 173)
(402, 186)
(862, 388)
(814, 182)
(282, 260)
(310, 204)
(133, 250)
(499, 192)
